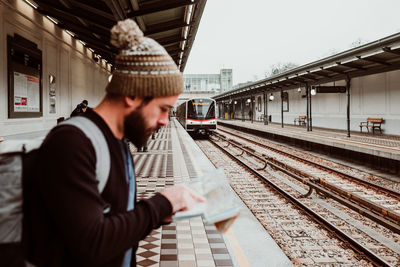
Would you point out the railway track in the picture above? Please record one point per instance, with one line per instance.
(241, 153)
(375, 186)
(319, 178)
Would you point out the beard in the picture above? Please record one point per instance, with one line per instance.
(136, 129)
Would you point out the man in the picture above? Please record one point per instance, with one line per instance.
(73, 224)
(80, 108)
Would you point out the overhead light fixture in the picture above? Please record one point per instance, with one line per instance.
(91, 50)
(82, 42)
(235, 102)
(248, 100)
(70, 33)
(110, 78)
(52, 20)
(183, 44)
(31, 4)
(313, 91)
(299, 90)
(271, 97)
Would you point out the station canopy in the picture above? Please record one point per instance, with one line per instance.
(171, 23)
(379, 56)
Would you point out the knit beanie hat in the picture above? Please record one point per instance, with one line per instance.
(142, 67)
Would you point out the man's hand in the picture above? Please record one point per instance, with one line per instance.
(182, 197)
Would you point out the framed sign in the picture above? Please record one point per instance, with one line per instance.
(285, 101)
(24, 63)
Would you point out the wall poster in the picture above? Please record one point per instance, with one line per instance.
(24, 78)
(285, 101)
(26, 93)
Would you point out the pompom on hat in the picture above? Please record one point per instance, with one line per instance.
(143, 67)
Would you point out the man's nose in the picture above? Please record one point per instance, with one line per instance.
(163, 121)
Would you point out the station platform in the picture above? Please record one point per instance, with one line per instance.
(379, 151)
(172, 158)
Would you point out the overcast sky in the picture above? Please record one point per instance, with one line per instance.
(251, 35)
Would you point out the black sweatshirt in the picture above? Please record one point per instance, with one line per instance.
(66, 222)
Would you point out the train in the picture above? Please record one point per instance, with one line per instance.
(197, 115)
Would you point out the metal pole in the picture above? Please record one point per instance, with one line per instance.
(307, 111)
(348, 105)
(251, 108)
(223, 110)
(265, 108)
(281, 108)
(234, 110)
(310, 111)
(241, 106)
(230, 108)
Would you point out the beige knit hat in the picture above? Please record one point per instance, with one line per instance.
(143, 67)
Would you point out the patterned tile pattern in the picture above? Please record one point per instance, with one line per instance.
(185, 243)
(148, 253)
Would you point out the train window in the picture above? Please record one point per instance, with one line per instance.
(201, 109)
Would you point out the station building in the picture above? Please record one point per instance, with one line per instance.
(56, 54)
(34, 47)
(337, 92)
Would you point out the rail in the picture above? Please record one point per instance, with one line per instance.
(374, 258)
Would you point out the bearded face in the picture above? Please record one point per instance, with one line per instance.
(137, 129)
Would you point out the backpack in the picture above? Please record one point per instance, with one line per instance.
(17, 163)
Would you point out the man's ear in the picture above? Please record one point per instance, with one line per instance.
(132, 101)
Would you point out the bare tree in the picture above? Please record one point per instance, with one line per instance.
(280, 67)
(358, 42)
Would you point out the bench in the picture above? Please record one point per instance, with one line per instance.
(373, 123)
(301, 120)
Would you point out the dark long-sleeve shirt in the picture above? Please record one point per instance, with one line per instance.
(66, 222)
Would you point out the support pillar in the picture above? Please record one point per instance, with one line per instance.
(241, 106)
(348, 105)
(281, 108)
(251, 108)
(308, 107)
(310, 111)
(265, 108)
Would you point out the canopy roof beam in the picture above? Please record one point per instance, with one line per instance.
(374, 60)
(161, 6)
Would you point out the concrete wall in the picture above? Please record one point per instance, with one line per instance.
(375, 95)
(78, 77)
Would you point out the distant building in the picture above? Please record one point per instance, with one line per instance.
(212, 83)
(226, 79)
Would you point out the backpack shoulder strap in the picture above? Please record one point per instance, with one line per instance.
(93, 132)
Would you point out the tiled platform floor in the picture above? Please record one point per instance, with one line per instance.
(184, 243)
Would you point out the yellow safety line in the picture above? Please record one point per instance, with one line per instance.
(237, 250)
